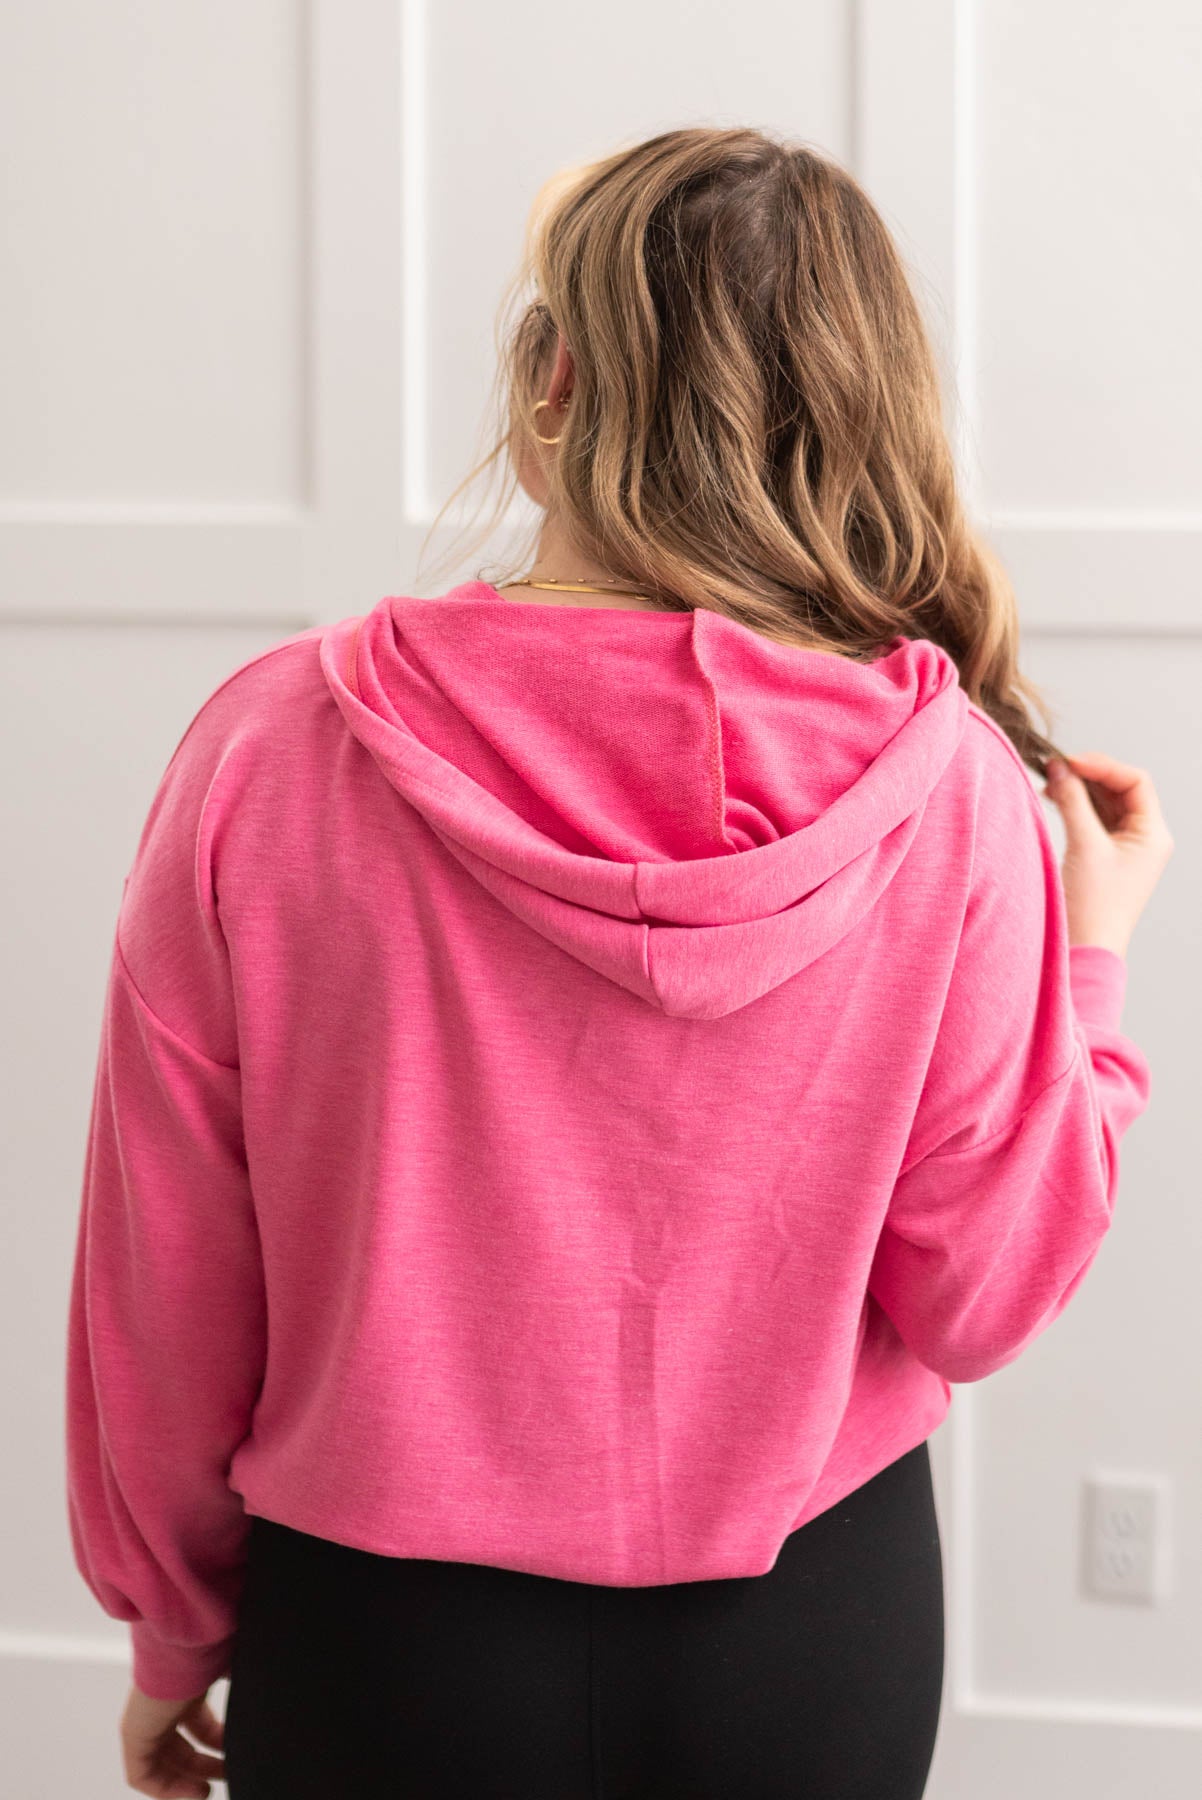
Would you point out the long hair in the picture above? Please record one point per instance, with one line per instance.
(755, 424)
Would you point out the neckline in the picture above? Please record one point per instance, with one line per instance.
(656, 612)
(477, 589)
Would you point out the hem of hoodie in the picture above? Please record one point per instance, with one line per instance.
(1098, 981)
(167, 1671)
(909, 1425)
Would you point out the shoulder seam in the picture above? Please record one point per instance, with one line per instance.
(167, 1030)
(984, 1143)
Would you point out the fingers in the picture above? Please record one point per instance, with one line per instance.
(1104, 768)
(1133, 784)
(204, 1725)
(174, 1787)
(211, 1768)
(181, 1773)
(1071, 796)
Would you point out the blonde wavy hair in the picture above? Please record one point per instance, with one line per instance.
(756, 421)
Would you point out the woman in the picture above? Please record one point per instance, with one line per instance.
(590, 1059)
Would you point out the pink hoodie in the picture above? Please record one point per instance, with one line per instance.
(575, 1087)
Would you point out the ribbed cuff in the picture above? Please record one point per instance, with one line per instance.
(169, 1671)
(1098, 981)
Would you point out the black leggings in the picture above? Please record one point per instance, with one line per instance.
(356, 1674)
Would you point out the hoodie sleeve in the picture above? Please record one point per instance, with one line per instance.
(167, 1323)
(1009, 1184)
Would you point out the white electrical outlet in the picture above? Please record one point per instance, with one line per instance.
(1126, 1547)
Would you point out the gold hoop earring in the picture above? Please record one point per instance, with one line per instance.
(538, 434)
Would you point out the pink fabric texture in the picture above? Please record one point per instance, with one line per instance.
(576, 1087)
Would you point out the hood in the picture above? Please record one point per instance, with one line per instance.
(692, 810)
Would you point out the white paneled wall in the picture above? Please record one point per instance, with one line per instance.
(251, 259)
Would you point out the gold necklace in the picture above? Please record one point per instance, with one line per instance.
(577, 587)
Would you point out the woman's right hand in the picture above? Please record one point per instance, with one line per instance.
(1108, 874)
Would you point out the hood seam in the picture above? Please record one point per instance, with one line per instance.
(352, 664)
(714, 757)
